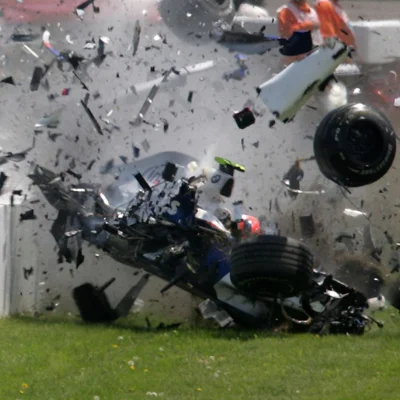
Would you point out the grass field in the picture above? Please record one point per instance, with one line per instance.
(58, 359)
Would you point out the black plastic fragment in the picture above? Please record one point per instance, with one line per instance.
(136, 37)
(92, 118)
(36, 78)
(244, 118)
(9, 80)
(24, 37)
(85, 4)
(28, 215)
(28, 272)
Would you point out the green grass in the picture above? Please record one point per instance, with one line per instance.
(65, 359)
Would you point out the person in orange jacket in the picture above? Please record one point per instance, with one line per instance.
(334, 21)
(297, 15)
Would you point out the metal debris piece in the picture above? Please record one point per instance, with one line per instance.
(92, 118)
(136, 37)
(81, 82)
(74, 174)
(354, 213)
(177, 74)
(149, 100)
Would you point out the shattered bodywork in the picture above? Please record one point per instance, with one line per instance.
(169, 229)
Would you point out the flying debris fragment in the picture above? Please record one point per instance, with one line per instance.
(17, 157)
(284, 94)
(149, 100)
(177, 73)
(24, 37)
(80, 10)
(244, 118)
(50, 121)
(136, 37)
(108, 167)
(92, 118)
(245, 42)
(68, 39)
(3, 178)
(28, 215)
(36, 78)
(27, 272)
(9, 80)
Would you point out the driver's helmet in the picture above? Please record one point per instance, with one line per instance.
(249, 226)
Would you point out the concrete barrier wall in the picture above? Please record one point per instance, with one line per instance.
(19, 262)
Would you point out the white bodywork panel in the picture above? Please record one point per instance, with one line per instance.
(286, 93)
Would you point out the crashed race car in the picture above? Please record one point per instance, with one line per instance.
(174, 227)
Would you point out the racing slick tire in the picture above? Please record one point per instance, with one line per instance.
(271, 266)
(354, 145)
(192, 20)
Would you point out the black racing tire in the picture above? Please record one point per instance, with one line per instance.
(355, 145)
(271, 266)
(193, 20)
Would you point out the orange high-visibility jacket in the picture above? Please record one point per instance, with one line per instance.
(297, 17)
(334, 22)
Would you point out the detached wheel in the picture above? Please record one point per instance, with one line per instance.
(355, 145)
(271, 266)
(192, 20)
